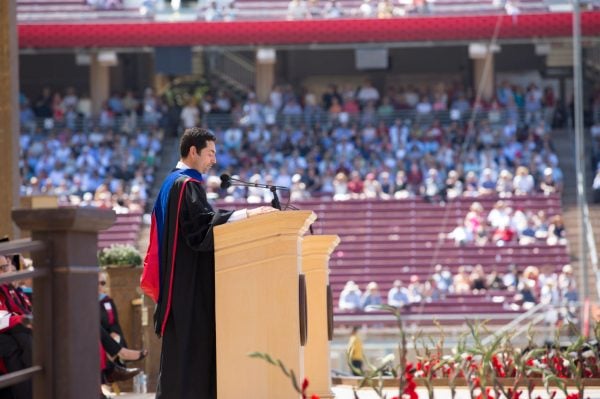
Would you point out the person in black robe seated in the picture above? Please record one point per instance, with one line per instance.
(114, 347)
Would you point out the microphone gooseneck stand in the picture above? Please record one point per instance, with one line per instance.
(275, 202)
(227, 181)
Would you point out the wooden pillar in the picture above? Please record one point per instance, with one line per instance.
(265, 73)
(483, 74)
(66, 300)
(316, 251)
(99, 84)
(9, 116)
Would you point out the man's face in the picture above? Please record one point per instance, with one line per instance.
(4, 264)
(207, 157)
(102, 283)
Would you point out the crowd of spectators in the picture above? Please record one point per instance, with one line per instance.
(344, 143)
(517, 288)
(503, 225)
(227, 10)
(357, 142)
(331, 9)
(109, 162)
(222, 10)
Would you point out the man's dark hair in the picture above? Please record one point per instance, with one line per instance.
(195, 137)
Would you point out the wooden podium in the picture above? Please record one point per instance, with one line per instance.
(316, 251)
(258, 269)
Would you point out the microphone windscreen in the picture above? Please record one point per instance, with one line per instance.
(225, 181)
(225, 184)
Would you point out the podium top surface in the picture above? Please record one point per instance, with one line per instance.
(264, 226)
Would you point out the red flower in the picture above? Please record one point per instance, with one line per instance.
(411, 387)
(530, 362)
(498, 367)
(573, 396)
(314, 397)
(304, 386)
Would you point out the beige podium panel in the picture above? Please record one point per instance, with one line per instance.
(316, 251)
(257, 265)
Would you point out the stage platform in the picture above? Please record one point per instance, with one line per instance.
(345, 392)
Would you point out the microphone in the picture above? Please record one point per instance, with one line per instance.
(228, 181)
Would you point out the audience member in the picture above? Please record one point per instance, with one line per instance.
(461, 283)
(398, 295)
(371, 298)
(350, 298)
(415, 289)
(556, 231)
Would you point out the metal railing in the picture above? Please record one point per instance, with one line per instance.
(317, 117)
(236, 70)
(10, 248)
(520, 324)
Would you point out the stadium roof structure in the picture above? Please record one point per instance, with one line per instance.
(98, 34)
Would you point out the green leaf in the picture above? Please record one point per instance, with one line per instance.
(294, 382)
(282, 367)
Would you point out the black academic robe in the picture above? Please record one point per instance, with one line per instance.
(109, 319)
(185, 313)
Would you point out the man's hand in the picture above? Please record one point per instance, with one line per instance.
(115, 336)
(261, 210)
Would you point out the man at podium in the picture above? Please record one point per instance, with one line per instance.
(179, 271)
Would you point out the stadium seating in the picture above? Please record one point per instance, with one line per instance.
(383, 241)
(39, 10)
(125, 231)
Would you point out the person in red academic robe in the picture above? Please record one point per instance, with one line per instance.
(15, 334)
(179, 272)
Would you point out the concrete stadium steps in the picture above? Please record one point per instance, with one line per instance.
(429, 314)
(420, 205)
(565, 150)
(368, 243)
(421, 260)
